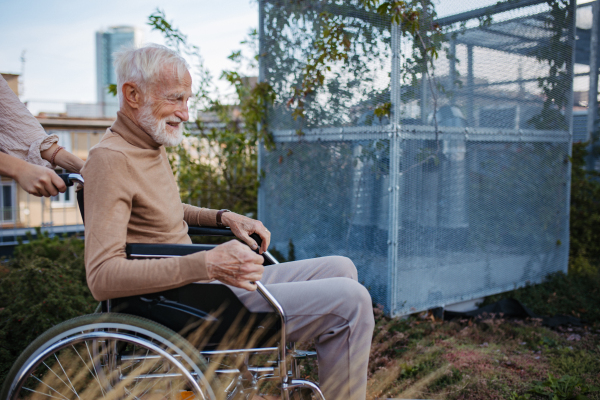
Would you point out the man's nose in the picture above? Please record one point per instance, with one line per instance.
(182, 113)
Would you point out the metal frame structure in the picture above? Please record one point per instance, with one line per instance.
(399, 133)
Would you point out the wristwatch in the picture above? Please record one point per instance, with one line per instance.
(219, 214)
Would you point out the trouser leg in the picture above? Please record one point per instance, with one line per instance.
(323, 300)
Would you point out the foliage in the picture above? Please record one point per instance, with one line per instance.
(331, 58)
(217, 168)
(42, 285)
(279, 255)
(332, 43)
(557, 53)
(584, 250)
(574, 294)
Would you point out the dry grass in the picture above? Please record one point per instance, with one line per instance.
(424, 358)
(492, 358)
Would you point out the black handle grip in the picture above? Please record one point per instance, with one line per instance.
(257, 239)
(65, 178)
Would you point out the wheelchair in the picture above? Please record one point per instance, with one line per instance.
(194, 342)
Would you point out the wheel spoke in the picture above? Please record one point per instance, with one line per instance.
(43, 394)
(88, 368)
(45, 384)
(66, 376)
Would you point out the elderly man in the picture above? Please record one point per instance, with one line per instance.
(131, 197)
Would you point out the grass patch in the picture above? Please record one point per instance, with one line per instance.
(489, 359)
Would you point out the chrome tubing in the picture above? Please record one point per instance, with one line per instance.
(283, 370)
(299, 383)
(269, 257)
(76, 178)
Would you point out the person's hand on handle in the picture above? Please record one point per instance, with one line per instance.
(40, 181)
(242, 227)
(233, 263)
(34, 179)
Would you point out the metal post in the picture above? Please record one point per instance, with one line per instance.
(424, 96)
(470, 88)
(394, 188)
(261, 78)
(569, 114)
(593, 90)
(452, 72)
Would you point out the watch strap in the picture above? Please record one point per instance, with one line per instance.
(219, 215)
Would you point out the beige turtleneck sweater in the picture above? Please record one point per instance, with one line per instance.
(131, 196)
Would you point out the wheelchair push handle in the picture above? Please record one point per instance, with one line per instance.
(70, 179)
(270, 260)
(257, 239)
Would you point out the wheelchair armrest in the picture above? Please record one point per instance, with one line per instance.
(209, 231)
(156, 250)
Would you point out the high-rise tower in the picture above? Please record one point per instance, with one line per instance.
(108, 42)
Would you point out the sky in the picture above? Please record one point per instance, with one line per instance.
(58, 37)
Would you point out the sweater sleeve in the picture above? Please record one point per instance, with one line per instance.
(108, 198)
(21, 135)
(198, 216)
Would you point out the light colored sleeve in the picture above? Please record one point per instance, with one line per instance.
(108, 198)
(21, 135)
(198, 216)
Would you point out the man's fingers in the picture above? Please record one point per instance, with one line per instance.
(249, 277)
(250, 273)
(248, 240)
(248, 285)
(266, 239)
(247, 255)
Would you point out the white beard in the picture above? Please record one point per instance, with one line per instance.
(157, 129)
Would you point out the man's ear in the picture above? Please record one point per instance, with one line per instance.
(132, 95)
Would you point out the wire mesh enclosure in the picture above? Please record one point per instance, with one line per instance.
(443, 182)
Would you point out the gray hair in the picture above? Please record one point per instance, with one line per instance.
(143, 65)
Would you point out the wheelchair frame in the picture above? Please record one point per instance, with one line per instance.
(287, 374)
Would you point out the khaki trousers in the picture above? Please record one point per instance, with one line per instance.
(323, 301)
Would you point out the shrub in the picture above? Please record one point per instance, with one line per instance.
(42, 285)
(584, 250)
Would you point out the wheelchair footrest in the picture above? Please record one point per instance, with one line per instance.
(303, 354)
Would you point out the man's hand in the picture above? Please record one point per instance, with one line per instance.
(233, 263)
(242, 227)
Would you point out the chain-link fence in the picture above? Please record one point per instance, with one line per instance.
(461, 190)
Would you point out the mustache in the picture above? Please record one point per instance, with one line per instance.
(173, 119)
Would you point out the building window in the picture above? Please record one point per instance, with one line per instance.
(8, 202)
(66, 199)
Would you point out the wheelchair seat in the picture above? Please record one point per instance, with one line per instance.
(213, 306)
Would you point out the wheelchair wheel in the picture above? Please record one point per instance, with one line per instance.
(110, 356)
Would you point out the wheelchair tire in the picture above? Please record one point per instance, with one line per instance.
(132, 358)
